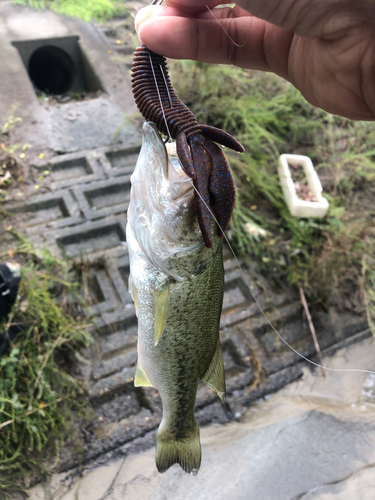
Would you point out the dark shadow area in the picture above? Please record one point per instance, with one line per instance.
(52, 70)
(58, 66)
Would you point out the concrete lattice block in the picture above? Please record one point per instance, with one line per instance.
(108, 367)
(52, 210)
(118, 161)
(102, 294)
(93, 238)
(124, 406)
(118, 341)
(71, 169)
(104, 198)
(123, 271)
(114, 385)
(121, 319)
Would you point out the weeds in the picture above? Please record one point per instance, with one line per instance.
(9, 167)
(37, 396)
(99, 10)
(329, 257)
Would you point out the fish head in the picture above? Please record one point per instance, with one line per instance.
(162, 215)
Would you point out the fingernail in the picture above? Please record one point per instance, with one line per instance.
(145, 14)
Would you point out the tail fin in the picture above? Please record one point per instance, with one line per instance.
(185, 451)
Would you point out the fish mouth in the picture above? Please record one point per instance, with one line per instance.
(180, 185)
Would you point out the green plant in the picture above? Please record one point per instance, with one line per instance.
(100, 10)
(269, 116)
(38, 397)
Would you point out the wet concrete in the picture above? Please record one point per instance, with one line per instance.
(313, 440)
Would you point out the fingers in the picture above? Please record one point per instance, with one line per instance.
(192, 6)
(231, 38)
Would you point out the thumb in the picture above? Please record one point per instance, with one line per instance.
(147, 13)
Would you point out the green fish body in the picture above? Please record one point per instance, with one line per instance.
(177, 285)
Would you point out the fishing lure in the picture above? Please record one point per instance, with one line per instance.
(201, 159)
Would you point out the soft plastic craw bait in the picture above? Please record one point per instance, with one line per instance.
(201, 159)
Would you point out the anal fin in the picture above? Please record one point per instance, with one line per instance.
(141, 379)
(214, 377)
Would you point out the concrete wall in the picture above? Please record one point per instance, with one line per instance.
(71, 126)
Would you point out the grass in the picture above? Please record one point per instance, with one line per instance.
(333, 258)
(39, 399)
(99, 10)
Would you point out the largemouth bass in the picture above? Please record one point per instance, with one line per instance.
(177, 286)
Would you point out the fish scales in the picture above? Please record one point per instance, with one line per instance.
(177, 285)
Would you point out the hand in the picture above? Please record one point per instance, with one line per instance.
(325, 48)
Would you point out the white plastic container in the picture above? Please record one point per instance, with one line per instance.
(297, 206)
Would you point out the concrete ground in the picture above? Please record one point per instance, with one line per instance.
(313, 440)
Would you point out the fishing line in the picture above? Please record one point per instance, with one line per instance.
(340, 370)
(225, 31)
(350, 370)
(159, 2)
(166, 86)
(157, 88)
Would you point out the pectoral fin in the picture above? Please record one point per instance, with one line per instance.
(214, 377)
(161, 312)
(133, 293)
(141, 379)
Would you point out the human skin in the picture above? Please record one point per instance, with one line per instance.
(325, 48)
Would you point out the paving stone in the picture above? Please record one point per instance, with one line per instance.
(234, 295)
(237, 349)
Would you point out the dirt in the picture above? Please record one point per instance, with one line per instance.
(301, 184)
